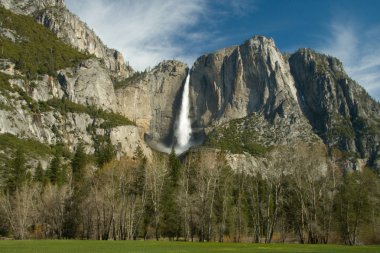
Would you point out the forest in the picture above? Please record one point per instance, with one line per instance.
(303, 198)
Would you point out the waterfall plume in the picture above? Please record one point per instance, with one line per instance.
(183, 131)
(182, 140)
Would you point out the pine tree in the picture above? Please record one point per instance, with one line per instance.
(174, 169)
(139, 177)
(171, 226)
(39, 174)
(78, 163)
(54, 170)
(73, 212)
(17, 176)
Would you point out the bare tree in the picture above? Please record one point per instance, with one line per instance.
(20, 209)
(51, 210)
(155, 183)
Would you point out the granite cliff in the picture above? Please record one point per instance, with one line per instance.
(281, 99)
(68, 27)
(249, 100)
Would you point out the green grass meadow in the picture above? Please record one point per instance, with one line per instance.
(63, 246)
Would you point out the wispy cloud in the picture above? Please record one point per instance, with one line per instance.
(143, 30)
(358, 48)
(238, 7)
(149, 31)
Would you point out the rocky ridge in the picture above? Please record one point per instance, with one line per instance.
(277, 100)
(76, 104)
(237, 81)
(69, 28)
(306, 97)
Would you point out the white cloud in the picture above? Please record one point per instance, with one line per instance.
(358, 48)
(146, 31)
(149, 31)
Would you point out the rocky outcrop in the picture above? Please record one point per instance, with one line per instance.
(304, 96)
(340, 111)
(236, 81)
(88, 84)
(52, 126)
(29, 7)
(152, 99)
(127, 140)
(36, 108)
(54, 15)
(273, 100)
(73, 31)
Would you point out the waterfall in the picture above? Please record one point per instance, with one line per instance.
(183, 131)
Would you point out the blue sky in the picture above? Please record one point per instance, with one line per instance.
(148, 31)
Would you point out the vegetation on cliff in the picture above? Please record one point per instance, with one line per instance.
(236, 138)
(32, 47)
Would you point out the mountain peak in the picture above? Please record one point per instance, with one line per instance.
(260, 39)
(28, 7)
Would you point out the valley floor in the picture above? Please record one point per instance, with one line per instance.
(63, 246)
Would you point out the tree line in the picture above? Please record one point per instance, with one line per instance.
(300, 195)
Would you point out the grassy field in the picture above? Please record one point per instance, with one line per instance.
(174, 247)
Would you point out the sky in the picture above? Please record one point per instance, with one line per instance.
(149, 31)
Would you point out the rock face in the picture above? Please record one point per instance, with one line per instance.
(304, 97)
(69, 28)
(234, 82)
(340, 111)
(35, 108)
(88, 84)
(56, 127)
(28, 7)
(273, 100)
(152, 100)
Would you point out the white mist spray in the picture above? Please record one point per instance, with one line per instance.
(183, 131)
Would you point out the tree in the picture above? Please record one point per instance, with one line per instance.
(311, 192)
(51, 210)
(171, 215)
(17, 176)
(104, 150)
(54, 169)
(155, 189)
(79, 193)
(223, 197)
(20, 209)
(174, 169)
(39, 174)
(78, 163)
(354, 203)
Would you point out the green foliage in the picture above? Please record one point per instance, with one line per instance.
(236, 138)
(28, 146)
(342, 129)
(139, 174)
(57, 171)
(39, 175)
(78, 163)
(174, 169)
(64, 106)
(17, 176)
(354, 203)
(5, 107)
(171, 216)
(364, 126)
(72, 208)
(72, 217)
(123, 83)
(104, 150)
(36, 50)
(4, 82)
